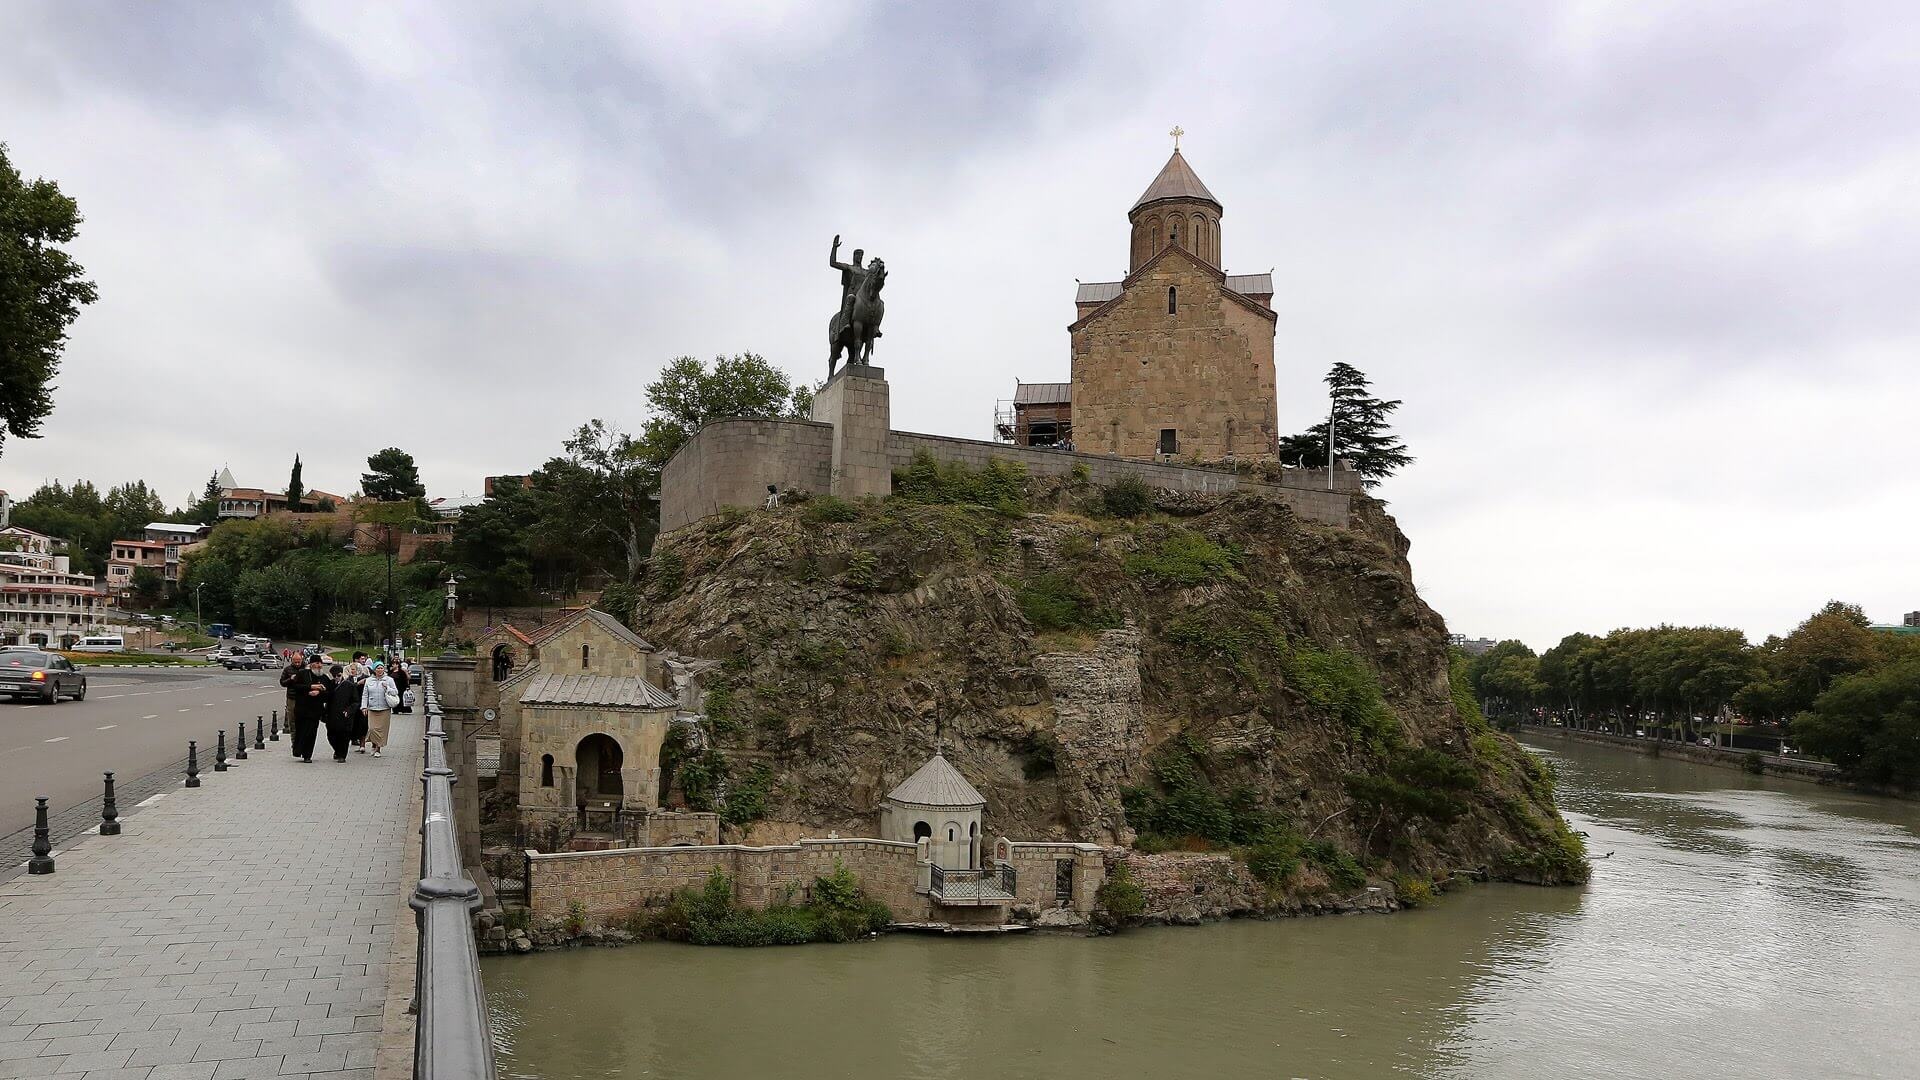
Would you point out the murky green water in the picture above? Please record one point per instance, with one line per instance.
(1742, 927)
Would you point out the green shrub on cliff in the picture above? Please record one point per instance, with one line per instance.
(1184, 557)
(1000, 484)
(1057, 602)
(1340, 684)
(1183, 809)
(1118, 901)
(827, 509)
(1126, 497)
(839, 910)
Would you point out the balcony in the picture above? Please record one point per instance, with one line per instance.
(972, 888)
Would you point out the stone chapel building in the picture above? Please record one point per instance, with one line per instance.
(1175, 360)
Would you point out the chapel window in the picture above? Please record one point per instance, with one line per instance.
(546, 770)
(1173, 299)
(585, 650)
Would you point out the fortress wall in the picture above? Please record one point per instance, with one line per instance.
(609, 884)
(731, 462)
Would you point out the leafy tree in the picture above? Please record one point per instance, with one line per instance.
(295, 489)
(1360, 434)
(273, 599)
(1869, 724)
(206, 509)
(41, 293)
(490, 546)
(148, 586)
(1505, 677)
(391, 476)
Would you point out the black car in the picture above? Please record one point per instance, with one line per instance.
(29, 673)
(249, 662)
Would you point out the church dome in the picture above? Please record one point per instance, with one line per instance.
(1177, 180)
(937, 784)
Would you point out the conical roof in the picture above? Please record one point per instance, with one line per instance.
(226, 480)
(1177, 180)
(937, 784)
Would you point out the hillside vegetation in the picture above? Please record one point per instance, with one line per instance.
(1115, 665)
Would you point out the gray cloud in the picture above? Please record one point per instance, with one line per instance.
(1639, 275)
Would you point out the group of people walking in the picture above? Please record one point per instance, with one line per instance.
(355, 701)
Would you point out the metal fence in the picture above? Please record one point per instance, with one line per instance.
(453, 1039)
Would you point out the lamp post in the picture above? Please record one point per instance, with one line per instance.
(453, 601)
(199, 624)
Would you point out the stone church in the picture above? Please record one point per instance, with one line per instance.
(1175, 360)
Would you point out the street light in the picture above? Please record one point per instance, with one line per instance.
(199, 624)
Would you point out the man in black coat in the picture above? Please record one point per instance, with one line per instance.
(342, 710)
(295, 668)
(398, 669)
(313, 693)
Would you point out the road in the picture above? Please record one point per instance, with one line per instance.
(133, 722)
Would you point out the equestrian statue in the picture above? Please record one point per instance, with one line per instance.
(853, 328)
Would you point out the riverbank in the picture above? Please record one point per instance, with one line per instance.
(1748, 761)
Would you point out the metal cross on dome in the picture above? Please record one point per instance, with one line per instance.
(1176, 132)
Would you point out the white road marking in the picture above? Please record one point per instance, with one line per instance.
(61, 738)
(186, 710)
(207, 705)
(106, 727)
(110, 697)
(151, 716)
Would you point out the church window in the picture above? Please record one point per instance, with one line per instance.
(1174, 235)
(546, 770)
(1169, 441)
(952, 834)
(585, 651)
(1173, 300)
(922, 831)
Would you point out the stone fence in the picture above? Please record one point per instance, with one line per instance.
(731, 462)
(1054, 875)
(609, 884)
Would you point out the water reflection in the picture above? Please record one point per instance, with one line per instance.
(1743, 927)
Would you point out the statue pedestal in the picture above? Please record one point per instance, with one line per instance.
(856, 402)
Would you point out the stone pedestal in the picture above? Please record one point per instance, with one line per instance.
(855, 401)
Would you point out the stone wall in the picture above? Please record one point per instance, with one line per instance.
(1189, 888)
(731, 462)
(1036, 867)
(606, 654)
(557, 731)
(1099, 726)
(609, 884)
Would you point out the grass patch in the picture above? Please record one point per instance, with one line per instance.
(1126, 497)
(1184, 558)
(1000, 485)
(1057, 602)
(839, 910)
(1339, 684)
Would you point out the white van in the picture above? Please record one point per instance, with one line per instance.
(101, 643)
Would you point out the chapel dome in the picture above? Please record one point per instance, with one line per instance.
(937, 784)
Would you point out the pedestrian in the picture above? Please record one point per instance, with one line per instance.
(296, 666)
(315, 692)
(378, 695)
(397, 670)
(343, 705)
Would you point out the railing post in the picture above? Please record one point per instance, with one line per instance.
(193, 764)
(220, 753)
(276, 727)
(109, 812)
(259, 731)
(240, 743)
(42, 861)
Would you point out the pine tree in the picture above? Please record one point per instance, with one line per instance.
(1360, 435)
(295, 489)
(206, 510)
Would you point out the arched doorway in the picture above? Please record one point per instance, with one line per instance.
(502, 662)
(596, 774)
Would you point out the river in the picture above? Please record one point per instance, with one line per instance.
(1741, 927)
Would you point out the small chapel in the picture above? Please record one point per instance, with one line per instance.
(1172, 361)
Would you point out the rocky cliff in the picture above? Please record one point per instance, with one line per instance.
(1169, 672)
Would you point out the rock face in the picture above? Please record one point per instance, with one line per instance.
(1061, 655)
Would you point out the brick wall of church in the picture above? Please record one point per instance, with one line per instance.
(1205, 371)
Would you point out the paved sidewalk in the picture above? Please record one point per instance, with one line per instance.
(241, 929)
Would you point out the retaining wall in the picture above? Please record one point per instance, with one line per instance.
(1818, 772)
(1036, 867)
(609, 884)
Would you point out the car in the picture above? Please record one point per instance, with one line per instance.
(414, 671)
(104, 643)
(248, 662)
(36, 674)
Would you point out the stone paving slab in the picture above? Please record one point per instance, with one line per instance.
(244, 928)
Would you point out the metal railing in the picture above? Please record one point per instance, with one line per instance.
(452, 1040)
(981, 886)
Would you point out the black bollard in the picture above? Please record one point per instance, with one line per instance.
(259, 731)
(109, 812)
(42, 861)
(220, 754)
(276, 727)
(240, 743)
(193, 765)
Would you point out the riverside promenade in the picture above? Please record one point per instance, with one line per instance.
(256, 926)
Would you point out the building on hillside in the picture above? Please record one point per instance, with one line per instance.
(6, 509)
(1175, 360)
(248, 502)
(1040, 414)
(1911, 618)
(174, 532)
(1471, 646)
(42, 602)
(129, 556)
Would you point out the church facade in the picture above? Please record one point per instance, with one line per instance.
(1175, 360)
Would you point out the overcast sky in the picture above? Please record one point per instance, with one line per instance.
(1644, 275)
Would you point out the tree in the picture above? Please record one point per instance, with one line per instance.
(490, 546)
(206, 509)
(1868, 724)
(295, 489)
(391, 476)
(1506, 677)
(1360, 432)
(148, 586)
(41, 292)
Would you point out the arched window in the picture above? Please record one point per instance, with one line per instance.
(1173, 235)
(1173, 300)
(952, 834)
(922, 831)
(546, 770)
(585, 651)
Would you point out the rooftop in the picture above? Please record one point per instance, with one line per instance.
(620, 692)
(937, 784)
(1042, 393)
(1177, 180)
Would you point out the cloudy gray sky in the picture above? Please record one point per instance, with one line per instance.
(1643, 274)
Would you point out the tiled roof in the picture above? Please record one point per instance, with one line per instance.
(937, 784)
(609, 691)
(1177, 180)
(1042, 393)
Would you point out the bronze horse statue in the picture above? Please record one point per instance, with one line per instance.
(854, 327)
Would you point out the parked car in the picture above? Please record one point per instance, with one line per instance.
(32, 673)
(248, 661)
